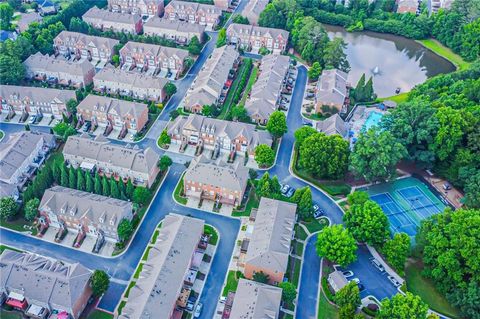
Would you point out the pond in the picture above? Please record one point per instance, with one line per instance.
(395, 62)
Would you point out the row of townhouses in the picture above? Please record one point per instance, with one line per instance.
(141, 7)
(253, 38)
(213, 80)
(176, 30)
(266, 91)
(193, 12)
(165, 282)
(253, 9)
(42, 287)
(83, 46)
(331, 90)
(213, 134)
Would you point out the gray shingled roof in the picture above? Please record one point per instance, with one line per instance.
(211, 79)
(154, 50)
(230, 176)
(239, 29)
(110, 16)
(38, 95)
(87, 40)
(253, 9)
(157, 289)
(134, 79)
(333, 125)
(181, 5)
(332, 87)
(220, 128)
(43, 279)
(134, 159)
(45, 63)
(97, 208)
(174, 25)
(112, 106)
(254, 300)
(269, 246)
(17, 149)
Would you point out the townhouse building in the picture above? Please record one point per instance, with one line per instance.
(35, 100)
(223, 5)
(112, 80)
(216, 181)
(212, 134)
(20, 156)
(42, 287)
(213, 80)
(154, 57)
(266, 91)
(410, 6)
(164, 273)
(179, 31)
(436, 5)
(253, 9)
(121, 162)
(333, 125)
(108, 113)
(253, 38)
(84, 46)
(269, 246)
(115, 21)
(256, 300)
(142, 7)
(331, 90)
(193, 12)
(59, 71)
(83, 212)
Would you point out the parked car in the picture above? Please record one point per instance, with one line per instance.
(378, 265)
(361, 287)
(319, 213)
(190, 306)
(32, 119)
(347, 273)
(290, 192)
(394, 281)
(87, 126)
(310, 95)
(284, 189)
(198, 310)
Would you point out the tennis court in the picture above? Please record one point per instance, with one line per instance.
(406, 202)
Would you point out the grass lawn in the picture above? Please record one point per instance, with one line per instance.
(3, 247)
(445, 52)
(315, 116)
(298, 248)
(253, 202)
(130, 286)
(325, 309)
(207, 229)
(232, 282)
(227, 105)
(296, 271)
(145, 254)
(300, 233)
(10, 314)
(399, 98)
(1, 135)
(425, 288)
(154, 237)
(178, 190)
(251, 81)
(138, 271)
(121, 305)
(316, 224)
(98, 314)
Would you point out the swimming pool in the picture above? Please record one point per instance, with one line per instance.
(372, 120)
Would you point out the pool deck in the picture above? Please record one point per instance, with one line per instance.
(359, 120)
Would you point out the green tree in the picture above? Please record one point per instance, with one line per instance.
(239, 113)
(8, 208)
(367, 223)
(222, 38)
(194, 47)
(99, 282)
(347, 312)
(12, 71)
(324, 156)
(297, 196)
(336, 244)
(141, 195)
(207, 110)
(6, 14)
(164, 139)
(277, 124)
(78, 25)
(303, 133)
(80, 180)
(31, 209)
(89, 183)
(114, 192)
(170, 89)
(472, 191)
(359, 91)
(72, 178)
(348, 295)
(72, 106)
(97, 185)
(164, 162)
(408, 306)
(105, 187)
(261, 277)
(289, 292)
(335, 57)
(130, 189)
(376, 155)
(116, 60)
(396, 251)
(450, 132)
(63, 176)
(264, 155)
(305, 205)
(240, 19)
(314, 71)
(357, 197)
(125, 230)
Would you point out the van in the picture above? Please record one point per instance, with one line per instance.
(378, 265)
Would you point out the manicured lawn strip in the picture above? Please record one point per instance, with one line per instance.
(298, 248)
(227, 105)
(445, 52)
(1, 135)
(325, 309)
(296, 271)
(300, 232)
(145, 255)
(251, 81)
(154, 238)
(232, 281)
(425, 288)
(179, 198)
(10, 314)
(253, 202)
(138, 271)
(98, 314)
(121, 305)
(399, 98)
(315, 116)
(130, 286)
(209, 230)
(316, 224)
(3, 247)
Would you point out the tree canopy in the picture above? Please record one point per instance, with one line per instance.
(401, 306)
(8, 208)
(336, 244)
(277, 124)
(99, 282)
(264, 155)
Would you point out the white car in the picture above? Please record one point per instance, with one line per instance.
(394, 281)
(378, 265)
(356, 280)
(198, 310)
(347, 273)
(32, 119)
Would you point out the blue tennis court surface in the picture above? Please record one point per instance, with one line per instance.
(406, 202)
